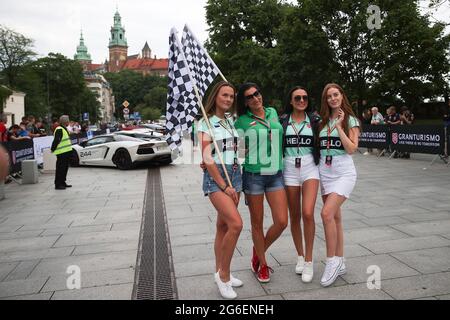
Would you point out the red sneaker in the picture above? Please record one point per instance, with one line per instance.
(264, 273)
(255, 261)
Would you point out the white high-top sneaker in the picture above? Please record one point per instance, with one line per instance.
(225, 289)
(300, 265)
(308, 272)
(331, 272)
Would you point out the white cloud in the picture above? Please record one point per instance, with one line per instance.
(55, 25)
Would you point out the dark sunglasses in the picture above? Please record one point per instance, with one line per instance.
(255, 94)
(299, 98)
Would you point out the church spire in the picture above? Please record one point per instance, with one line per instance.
(146, 51)
(117, 32)
(82, 51)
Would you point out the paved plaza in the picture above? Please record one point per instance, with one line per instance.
(397, 221)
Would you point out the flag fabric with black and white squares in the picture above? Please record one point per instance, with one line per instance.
(182, 103)
(203, 69)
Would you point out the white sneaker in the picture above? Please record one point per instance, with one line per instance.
(308, 272)
(343, 269)
(235, 282)
(225, 289)
(300, 265)
(331, 272)
(366, 153)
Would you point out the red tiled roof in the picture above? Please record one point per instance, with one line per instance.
(94, 66)
(146, 64)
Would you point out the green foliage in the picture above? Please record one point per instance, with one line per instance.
(4, 94)
(54, 85)
(15, 51)
(278, 45)
(145, 94)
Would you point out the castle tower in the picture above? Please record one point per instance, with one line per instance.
(82, 55)
(146, 52)
(118, 48)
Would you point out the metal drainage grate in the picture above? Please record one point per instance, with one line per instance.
(154, 279)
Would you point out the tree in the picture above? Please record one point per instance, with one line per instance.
(243, 39)
(411, 55)
(157, 98)
(140, 91)
(56, 86)
(305, 57)
(15, 51)
(4, 94)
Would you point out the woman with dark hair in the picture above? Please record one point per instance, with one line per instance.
(301, 174)
(339, 132)
(223, 196)
(262, 173)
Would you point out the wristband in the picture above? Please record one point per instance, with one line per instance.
(225, 188)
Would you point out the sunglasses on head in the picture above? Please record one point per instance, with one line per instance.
(255, 94)
(299, 98)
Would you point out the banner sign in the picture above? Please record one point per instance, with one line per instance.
(374, 136)
(39, 145)
(19, 151)
(418, 139)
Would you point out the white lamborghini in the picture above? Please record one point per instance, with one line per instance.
(121, 150)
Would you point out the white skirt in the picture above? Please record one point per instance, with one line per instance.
(294, 177)
(338, 178)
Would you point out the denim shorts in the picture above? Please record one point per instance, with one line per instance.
(256, 183)
(210, 186)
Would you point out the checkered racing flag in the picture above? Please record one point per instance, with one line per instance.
(181, 99)
(203, 68)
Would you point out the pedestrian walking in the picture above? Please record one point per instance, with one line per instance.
(339, 132)
(62, 148)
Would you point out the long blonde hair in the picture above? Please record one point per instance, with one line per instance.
(325, 108)
(210, 106)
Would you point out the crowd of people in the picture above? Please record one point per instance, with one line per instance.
(372, 116)
(287, 158)
(30, 127)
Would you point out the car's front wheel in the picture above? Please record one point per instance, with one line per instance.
(122, 159)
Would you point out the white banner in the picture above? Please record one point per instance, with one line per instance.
(39, 145)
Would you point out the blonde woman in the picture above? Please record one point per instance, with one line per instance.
(339, 132)
(224, 197)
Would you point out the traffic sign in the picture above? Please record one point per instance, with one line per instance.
(126, 104)
(126, 111)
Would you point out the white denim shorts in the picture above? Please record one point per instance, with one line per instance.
(294, 177)
(338, 178)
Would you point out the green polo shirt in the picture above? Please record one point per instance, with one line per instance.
(336, 147)
(264, 150)
(304, 135)
(225, 135)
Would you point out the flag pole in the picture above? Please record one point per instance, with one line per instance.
(206, 52)
(205, 116)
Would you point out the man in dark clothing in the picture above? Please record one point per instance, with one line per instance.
(62, 148)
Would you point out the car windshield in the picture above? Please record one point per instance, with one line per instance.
(137, 135)
(123, 137)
